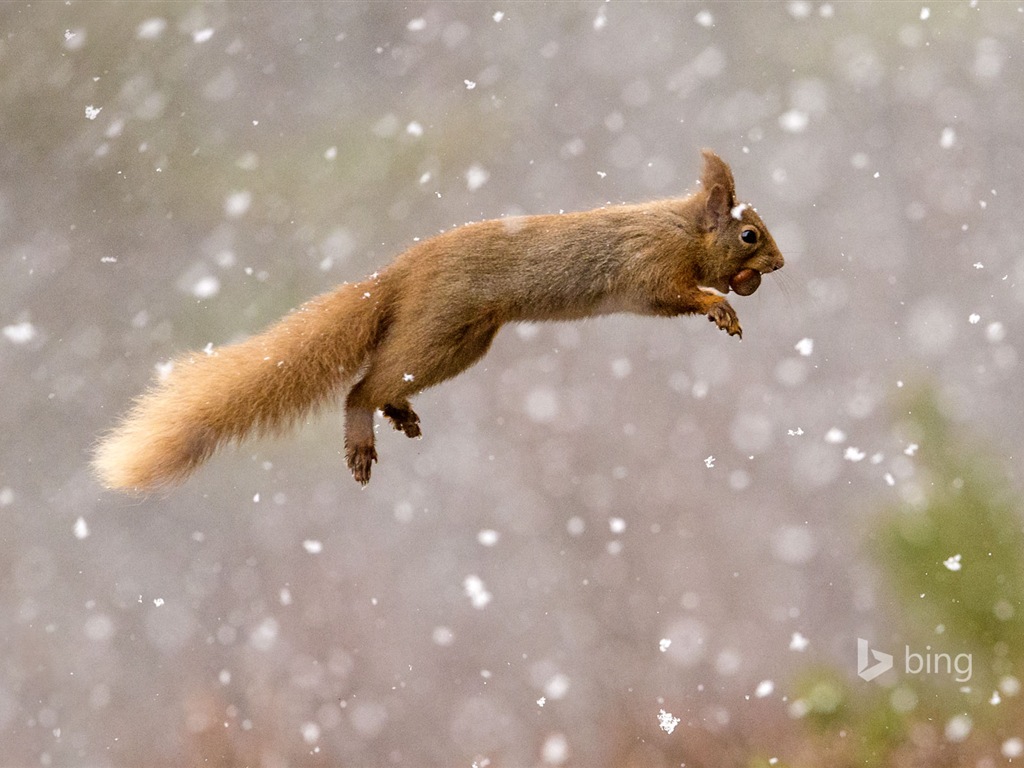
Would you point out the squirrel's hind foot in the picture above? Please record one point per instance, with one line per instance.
(360, 458)
(404, 419)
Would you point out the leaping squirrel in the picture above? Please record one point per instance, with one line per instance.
(432, 313)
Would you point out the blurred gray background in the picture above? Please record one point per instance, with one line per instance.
(179, 174)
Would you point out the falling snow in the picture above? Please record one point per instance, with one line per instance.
(666, 721)
(175, 182)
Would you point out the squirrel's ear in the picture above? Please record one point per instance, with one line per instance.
(716, 207)
(717, 179)
(717, 171)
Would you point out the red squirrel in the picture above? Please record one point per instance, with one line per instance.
(432, 313)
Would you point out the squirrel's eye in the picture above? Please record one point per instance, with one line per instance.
(749, 235)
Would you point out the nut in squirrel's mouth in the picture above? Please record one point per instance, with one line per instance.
(746, 281)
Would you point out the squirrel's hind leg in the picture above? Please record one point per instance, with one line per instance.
(360, 452)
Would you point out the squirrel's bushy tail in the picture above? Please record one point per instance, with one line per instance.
(259, 386)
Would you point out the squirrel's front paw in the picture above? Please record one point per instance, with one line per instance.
(725, 317)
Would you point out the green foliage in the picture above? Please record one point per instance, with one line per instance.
(956, 503)
(964, 508)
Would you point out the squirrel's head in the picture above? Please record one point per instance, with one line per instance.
(739, 246)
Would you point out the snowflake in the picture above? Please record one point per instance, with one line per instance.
(666, 721)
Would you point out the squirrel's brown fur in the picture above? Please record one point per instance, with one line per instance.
(432, 313)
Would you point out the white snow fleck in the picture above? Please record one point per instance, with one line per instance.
(151, 29)
(621, 368)
(408, 377)
(91, 112)
(663, 644)
(958, 728)
(284, 596)
(470, 85)
(557, 686)
(6, 496)
(206, 287)
(542, 701)
(948, 138)
(310, 732)
(854, 454)
(799, 9)
(498, 16)
(795, 432)
(20, 333)
(995, 698)
(705, 19)
(442, 636)
(978, 265)
(476, 177)
(737, 211)
(237, 204)
(666, 721)
(952, 563)
(555, 750)
(313, 546)
(331, 153)
(911, 449)
(1009, 685)
(414, 129)
(601, 20)
(158, 601)
(99, 627)
(616, 525)
(794, 544)
(805, 346)
(425, 177)
(202, 35)
(764, 688)
(81, 528)
(416, 25)
(925, 13)
(542, 405)
(264, 636)
(995, 332)
(476, 591)
(794, 121)
(163, 370)
(224, 677)
(889, 479)
(1012, 747)
(488, 537)
(835, 435)
(709, 462)
(798, 642)
(973, 318)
